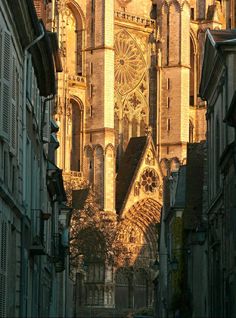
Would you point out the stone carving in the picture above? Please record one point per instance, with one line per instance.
(149, 180)
(136, 188)
(149, 158)
(134, 101)
(129, 63)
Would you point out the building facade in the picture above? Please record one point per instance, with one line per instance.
(219, 92)
(31, 186)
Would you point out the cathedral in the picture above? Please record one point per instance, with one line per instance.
(127, 106)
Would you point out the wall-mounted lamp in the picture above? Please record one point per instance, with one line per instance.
(199, 236)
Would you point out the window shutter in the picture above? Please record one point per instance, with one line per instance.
(6, 81)
(1, 55)
(13, 105)
(3, 268)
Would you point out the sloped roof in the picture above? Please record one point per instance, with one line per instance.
(218, 43)
(223, 37)
(129, 164)
(194, 182)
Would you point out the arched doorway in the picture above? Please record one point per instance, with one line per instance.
(137, 234)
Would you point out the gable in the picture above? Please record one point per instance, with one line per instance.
(143, 176)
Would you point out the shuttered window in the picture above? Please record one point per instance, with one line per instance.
(9, 91)
(3, 268)
(14, 92)
(6, 65)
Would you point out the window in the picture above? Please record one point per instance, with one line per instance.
(168, 124)
(5, 85)
(92, 22)
(192, 13)
(168, 83)
(91, 90)
(168, 102)
(191, 128)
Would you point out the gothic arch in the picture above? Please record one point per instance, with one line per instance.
(141, 218)
(193, 69)
(77, 130)
(88, 163)
(184, 4)
(75, 8)
(193, 38)
(109, 148)
(164, 5)
(99, 173)
(78, 101)
(191, 130)
(176, 4)
(75, 38)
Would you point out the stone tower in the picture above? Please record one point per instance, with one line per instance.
(174, 21)
(99, 163)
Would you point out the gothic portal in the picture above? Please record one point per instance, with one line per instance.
(127, 107)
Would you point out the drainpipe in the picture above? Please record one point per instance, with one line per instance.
(23, 309)
(24, 106)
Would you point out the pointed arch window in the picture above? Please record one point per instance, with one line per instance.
(74, 40)
(192, 90)
(77, 126)
(191, 129)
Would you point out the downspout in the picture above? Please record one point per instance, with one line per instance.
(24, 105)
(23, 310)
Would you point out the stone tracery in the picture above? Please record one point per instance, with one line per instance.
(129, 63)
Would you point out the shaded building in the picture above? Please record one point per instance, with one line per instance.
(31, 185)
(218, 89)
(182, 281)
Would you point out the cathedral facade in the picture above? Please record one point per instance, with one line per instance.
(127, 107)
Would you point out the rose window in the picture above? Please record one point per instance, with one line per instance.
(129, 63)
(149, 180)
